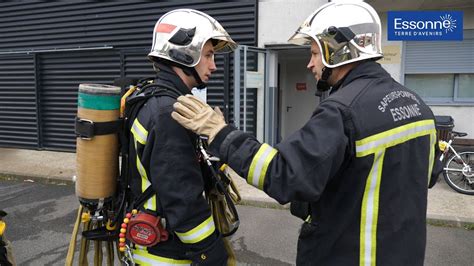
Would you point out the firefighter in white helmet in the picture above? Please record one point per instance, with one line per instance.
(363, 161)
(162, 153)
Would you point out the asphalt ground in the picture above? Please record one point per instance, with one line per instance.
(41, 217)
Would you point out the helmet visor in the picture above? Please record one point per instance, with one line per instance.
(300, 39)
(223, 44)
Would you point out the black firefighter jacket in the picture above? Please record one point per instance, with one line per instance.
(363, 161)
(162, 154)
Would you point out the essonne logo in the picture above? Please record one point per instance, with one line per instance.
(445, 22)
(425, 25)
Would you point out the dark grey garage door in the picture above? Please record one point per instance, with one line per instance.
(60, 75)
(18, 109)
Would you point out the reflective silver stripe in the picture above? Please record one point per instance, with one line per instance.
(198, 233)
(139, 132)
(393, 137)
(258, 167)
(143, 258)
(141, 169)
(370, 211)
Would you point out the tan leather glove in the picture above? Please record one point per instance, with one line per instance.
(198, 116)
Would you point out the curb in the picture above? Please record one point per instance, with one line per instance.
(435, 220)
(441, 220)
(36, 178)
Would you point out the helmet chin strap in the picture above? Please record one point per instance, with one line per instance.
(191, 71)
(323, 84)
(201, 84)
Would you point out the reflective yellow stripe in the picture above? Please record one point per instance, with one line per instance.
(377, 145)
(140, 135)
(139, 132)
(394, 137)
(259, 165)
(198, 233)
(144, 258)
(370, 211)
(150, 204)
(3, 227)
(432, 155)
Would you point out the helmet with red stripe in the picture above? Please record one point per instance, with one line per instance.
(180, 35)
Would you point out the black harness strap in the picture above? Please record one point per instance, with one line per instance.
(135, 103)
(147, 194)
(87, 129)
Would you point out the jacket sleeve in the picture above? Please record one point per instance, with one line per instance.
(176, 178)
(299, 167)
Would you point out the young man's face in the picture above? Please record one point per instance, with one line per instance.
(315, 64)
(206, 65)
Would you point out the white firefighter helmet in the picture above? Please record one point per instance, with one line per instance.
(180, 35)
(345, 31)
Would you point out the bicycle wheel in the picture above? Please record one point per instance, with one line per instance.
(459, 173)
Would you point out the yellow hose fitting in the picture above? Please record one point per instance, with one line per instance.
(109, 226)
(85, 217)
(223, 166)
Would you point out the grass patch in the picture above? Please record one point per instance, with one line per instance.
(452, 224)
(469, 226)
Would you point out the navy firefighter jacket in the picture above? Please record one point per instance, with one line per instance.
(363, 161)
(162, 155)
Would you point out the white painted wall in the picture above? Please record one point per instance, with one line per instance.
(463, 117)
(279, 19)
(392, 62)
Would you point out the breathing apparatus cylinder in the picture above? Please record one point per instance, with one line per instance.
(97, 156)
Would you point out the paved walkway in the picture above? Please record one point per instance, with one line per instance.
(444, 204)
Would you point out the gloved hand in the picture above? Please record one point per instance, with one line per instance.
(198, 117)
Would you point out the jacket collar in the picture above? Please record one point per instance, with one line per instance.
(167, 76)
(366, 69)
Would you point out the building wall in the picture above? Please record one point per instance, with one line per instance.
(462, 114)
(48, 48)
(278, 20)
(392, 61)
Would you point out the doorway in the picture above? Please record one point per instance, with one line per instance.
(297, 90)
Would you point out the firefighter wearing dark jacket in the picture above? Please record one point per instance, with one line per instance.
(163, 152)
(363, 161)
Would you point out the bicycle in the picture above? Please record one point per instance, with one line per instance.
(458, 171)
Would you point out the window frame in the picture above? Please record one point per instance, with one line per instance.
(455, 100)
(468, 35)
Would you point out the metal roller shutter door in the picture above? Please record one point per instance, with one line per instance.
(440, 57)
(18, 109)
(61, 75)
